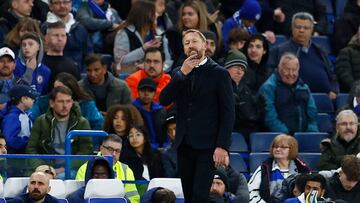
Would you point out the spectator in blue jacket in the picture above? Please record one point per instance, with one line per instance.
(153, 113)
(289, 106)
(16, 124)
(28, 63)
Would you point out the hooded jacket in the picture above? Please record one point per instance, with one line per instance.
(40, 76)
(78, 195)
(348, 64)
(16, 127)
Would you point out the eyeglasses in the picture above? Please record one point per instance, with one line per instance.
(344, 124)
(58, 3)
(112, 150)
(281, 147)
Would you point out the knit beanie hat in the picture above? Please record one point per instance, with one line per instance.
(250, 10)
(210, 35)
(235, 58)
(220, 173)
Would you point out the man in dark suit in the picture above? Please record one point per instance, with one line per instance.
(202, 91)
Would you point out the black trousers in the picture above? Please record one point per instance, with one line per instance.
(196, 169)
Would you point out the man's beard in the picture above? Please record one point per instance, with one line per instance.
(36, 195)
(195, 52)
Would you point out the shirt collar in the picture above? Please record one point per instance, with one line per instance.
(202, 62)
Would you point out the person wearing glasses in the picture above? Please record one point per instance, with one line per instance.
(288, 104)
(283, 162)
(345, 141)
(316, 68)
(111, 146)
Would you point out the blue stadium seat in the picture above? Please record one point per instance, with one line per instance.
(325, 123)
(238, 143)
(2, 200)
(310, 141)
(261, 141)
(106, 200)
(341, 100)
(180, 200)
(323, 103)
(62, 200)
(324, 42)
(123, 76)
(238, 163)
(311, 159)
(256, 159)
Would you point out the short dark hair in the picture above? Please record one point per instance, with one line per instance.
(153, 50)
(59, 89)
(300, 181)
(163, 195)
(92, 58)
(316, 177)
(351, 167)
(112, 138)
(55, 25)
(1, 135)
(236, 35)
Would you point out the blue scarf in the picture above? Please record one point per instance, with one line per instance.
(97, 9)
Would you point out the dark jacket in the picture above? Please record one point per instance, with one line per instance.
(205, 106)
(78, 195)
(136, 163)
(348, 65)
(169, 161)
(7, 22)
(26, 199)
(147, 197)
(295, 48)
(334, 190)
(333, 151)
(256, 75)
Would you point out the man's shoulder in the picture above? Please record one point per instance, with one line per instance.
(50, 199)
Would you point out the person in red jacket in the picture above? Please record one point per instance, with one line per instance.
(153, 67)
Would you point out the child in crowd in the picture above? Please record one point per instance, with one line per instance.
(16, 124)
(28, 63)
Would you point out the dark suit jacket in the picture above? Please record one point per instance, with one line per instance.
(205, 106)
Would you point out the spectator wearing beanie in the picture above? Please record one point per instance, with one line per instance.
(246, 113)
(220, 185)
(245, 18)
(211, 44)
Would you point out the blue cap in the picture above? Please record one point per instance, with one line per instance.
(250, 10)
(18, 91)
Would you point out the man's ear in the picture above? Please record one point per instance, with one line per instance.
(48, 189)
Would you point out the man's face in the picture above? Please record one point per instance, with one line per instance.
(146, 95)
(61, 8)
(194, 45)
(171, 131)
(56, 39)
(313, 185)
(236, 73)
(3, 146)
(61, 105)
(302, 31)
(346, 184)
(100, 172)
(256, 51)
(346, 127)
(96, 73)
(7, 66)
(153, 64)
(210, 47)
(217, 187)
(289, 71)
(38, 186)
(22, 7)
(111, 149)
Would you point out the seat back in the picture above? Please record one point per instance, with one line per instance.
(324, 42)
(238, 163)
(311, 160)
(1, 189)
(57, 188)
(310, 141)
(173, 184)
(14, 186)
(73, 185)
(323, 103)
(325, 123)
(105, 200)
(104, 188)
(261, 141)
(341, 100)
(256, 159)
(238, 143)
